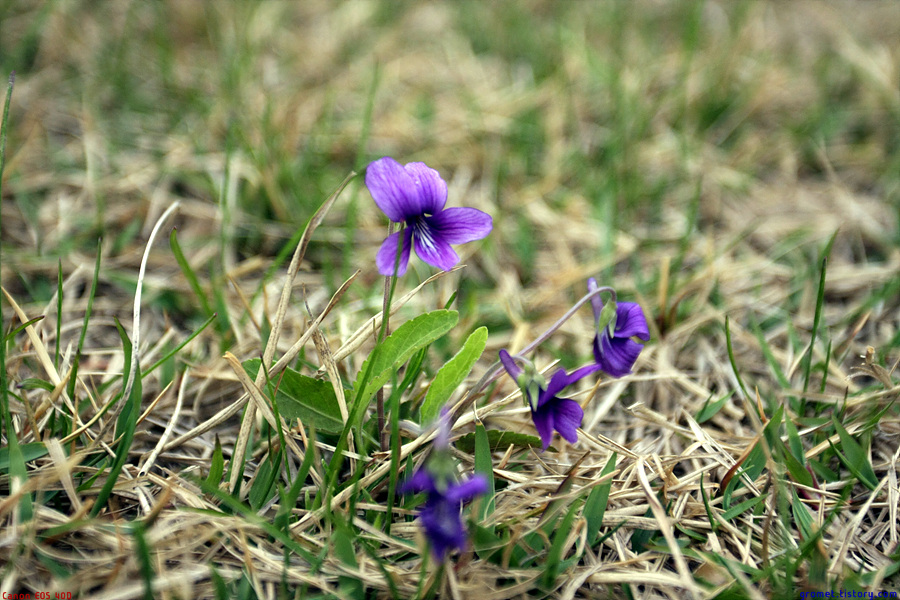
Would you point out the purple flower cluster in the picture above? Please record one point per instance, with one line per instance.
(415, 195)
(441, 512)
(614, 353)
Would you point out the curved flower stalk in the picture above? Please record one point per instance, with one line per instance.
(548, 411)
(415, 195)
(440, 514)
(614, 350)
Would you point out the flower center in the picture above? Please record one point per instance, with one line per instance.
(423, 232)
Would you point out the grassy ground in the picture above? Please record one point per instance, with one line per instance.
(733, 167)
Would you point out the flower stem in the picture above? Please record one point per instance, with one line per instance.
(494, 370)
(390, 283)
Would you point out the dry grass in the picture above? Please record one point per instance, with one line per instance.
(701, 176)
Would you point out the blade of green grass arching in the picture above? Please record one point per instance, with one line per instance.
(84, 326)
(710, 516)
(189, 272)
(820, 302)
(554, 554)
(12, 334)
(731, 360)
(178, 348)
(125, 425)
(485, 466)
(595, 505)
(770, 358)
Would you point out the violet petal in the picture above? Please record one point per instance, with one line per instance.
(616, 356)
(512, 369)
(468, 489)
(567, 417)
(543, 422)
(461, 225)
(431, 190)
(393, 189)
(432, 248)
(387, 254)
(630, 321)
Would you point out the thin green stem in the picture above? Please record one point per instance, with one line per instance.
(493, 371)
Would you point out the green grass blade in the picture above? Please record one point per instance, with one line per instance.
(216, 465)
(855, 457)
(554, 554)
(820, 302)
(87, 317)
(741, 507)
(17, 470)
(145, 559)
(189, 273)
(178, 348)
(59, 303)
(734, 368)
(125, 425)
(595, 505)
(485, 466)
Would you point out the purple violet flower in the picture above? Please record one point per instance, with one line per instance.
(415, 194)
(441, 512)
(614, 350)
(548, 411)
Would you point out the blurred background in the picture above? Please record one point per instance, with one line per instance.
(698, 156)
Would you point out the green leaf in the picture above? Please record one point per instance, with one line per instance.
(857, 459)
(306, 398)
(452, 374)
(395, 350)
(500, 440)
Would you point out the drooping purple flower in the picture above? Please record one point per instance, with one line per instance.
(549, 411)
(614, 350)
(415, 195)
(441, 512)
